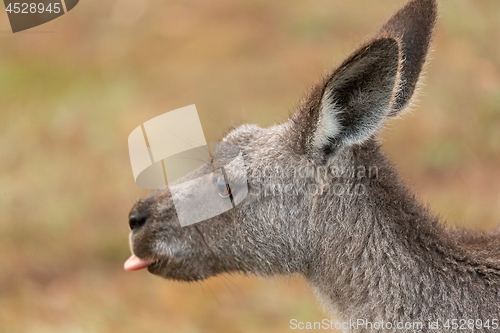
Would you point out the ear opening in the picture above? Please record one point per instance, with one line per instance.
(358, 96)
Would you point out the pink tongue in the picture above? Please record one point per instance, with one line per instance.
(135, 263)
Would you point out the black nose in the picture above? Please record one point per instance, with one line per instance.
(138, 218)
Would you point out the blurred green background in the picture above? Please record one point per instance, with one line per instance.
(73, 89)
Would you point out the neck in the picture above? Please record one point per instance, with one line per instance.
(382, 256)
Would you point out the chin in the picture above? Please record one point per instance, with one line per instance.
(175, 270)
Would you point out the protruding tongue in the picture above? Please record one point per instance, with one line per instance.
(134, 263)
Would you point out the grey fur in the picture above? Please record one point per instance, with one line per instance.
(325, 203)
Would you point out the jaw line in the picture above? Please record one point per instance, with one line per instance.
(172, 251)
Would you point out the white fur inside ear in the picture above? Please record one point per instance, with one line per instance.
(328, 126)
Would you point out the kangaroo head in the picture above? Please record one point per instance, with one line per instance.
(324, 159)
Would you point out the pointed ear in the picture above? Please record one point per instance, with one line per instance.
(412, 26)
(357, 97)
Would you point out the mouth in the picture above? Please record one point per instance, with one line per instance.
(134, 263)
(156, 260)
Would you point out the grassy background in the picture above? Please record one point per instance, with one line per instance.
(73, 89)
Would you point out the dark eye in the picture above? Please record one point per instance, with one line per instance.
(223, 188)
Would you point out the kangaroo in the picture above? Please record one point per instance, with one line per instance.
(325, 203)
